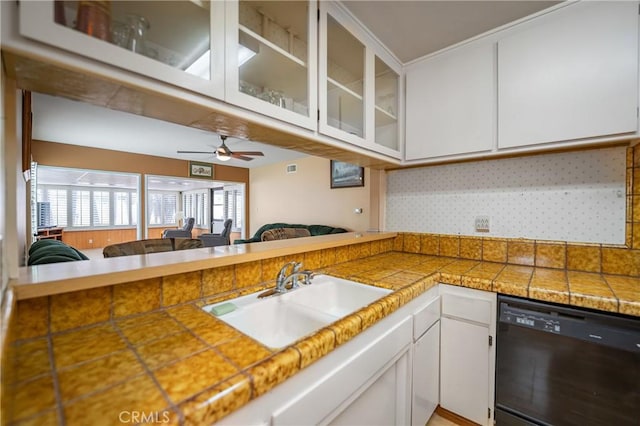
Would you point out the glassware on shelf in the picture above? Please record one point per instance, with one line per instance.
(275, 97)
(120, 34)
(94, 18)
(138, 26)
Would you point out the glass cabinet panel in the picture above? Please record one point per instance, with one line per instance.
(176, 33)
(273, 53)
(386, 105)
(345, 79)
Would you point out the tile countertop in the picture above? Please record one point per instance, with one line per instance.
(56, 278)
(182, 365)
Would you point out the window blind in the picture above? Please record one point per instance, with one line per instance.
(80, 208)
(100, 209)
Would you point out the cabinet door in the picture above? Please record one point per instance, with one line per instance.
(426, 379)
(570, 74)
(464, 369)
(386, 108)
(359, 85)
(342, 85)
(271, 58)
(383, 402)
(178, 42)
(450, 103)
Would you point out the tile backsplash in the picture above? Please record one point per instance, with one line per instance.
(572, 196)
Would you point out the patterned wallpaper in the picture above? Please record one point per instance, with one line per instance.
(575, 196)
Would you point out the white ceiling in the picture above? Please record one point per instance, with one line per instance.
(410, 29)
(62, 120)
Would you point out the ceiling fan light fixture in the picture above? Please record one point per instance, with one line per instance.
(222, 156)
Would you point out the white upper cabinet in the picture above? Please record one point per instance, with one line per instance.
(178, 42)
(359, 85)
(570, 74)
(271, 59)
(450, 103)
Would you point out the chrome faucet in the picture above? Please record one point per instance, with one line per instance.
(282, 275)
(285, 278)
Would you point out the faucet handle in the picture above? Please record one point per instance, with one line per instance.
(308, 276)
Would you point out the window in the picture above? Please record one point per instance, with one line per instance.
(57, 198)
(195, 204)
(163, 207)
(100, 210)
(234, 205)
(134, 208)
(121, 208)
(218, 204)
(87, 208)
(80, 208)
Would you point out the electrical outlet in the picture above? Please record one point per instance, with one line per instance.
(482, 223)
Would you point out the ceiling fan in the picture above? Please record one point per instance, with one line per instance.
(223, 153)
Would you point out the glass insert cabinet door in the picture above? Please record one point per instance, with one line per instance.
(359, 84)
(386, 105)
(345, 79)
(271, 58)
(180, 42)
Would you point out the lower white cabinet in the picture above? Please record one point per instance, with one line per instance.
(367, 378)
(467, 353)
(426, 374)
(434, 350)
(383, 401)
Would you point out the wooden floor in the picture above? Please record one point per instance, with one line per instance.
(436, 420)
(93, 253)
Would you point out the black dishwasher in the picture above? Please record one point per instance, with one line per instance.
(565, 366)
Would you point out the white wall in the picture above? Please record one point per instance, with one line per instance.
(4, 272)
(306, 197)
(13, 214)
(574, 196)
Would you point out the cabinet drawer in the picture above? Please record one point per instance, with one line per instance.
(425, 317)
(476, 310)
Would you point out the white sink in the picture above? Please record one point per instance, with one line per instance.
(336, 296)
(280, 320)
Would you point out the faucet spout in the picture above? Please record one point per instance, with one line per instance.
(282, 276)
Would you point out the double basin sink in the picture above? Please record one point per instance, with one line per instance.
(280, 320)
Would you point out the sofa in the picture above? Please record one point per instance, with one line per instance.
(53, 251)
(313, 230)
(152, 245)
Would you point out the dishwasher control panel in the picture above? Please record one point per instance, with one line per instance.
(594, 327)
(529, 319)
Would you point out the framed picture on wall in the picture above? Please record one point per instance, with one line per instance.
(346, 175)
(200, 170)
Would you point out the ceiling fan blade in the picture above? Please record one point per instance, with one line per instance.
(196, 152)
(258, 153)
(240, 156)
